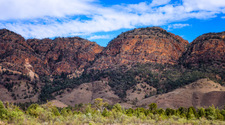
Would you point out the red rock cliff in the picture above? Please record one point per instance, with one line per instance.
(142, 45)
(15, 50)
(207, 48)
(46, 56)
(66, 54)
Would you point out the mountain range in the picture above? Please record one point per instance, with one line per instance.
(138, 67)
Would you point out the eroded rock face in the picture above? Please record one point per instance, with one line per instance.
(14, 50)
(71, 55)
(47, 56)
(206, 49)
(65, 54)
(142, 45)
(23, 61)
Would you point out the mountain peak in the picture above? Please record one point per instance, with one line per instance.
(10, 35)
(149, 31)
(143, 45)
(206, 49)
(4, 31)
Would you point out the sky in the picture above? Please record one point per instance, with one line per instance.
(102, 20)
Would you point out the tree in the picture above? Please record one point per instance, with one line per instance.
(99, 104)
(190, 113)
(170, 111)
(152, 107)
(219, 116)
(160, 111)
(129, 112)
(53, 109)
(117, 107)
(210, 113)
(105, 113)
(182, 112)
(66, 112)
(3, 111)
(1, 105)
(201, 112)
(34, 110)
(63, 75)
(222, 112)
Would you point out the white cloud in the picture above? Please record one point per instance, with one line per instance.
(223, 17)
(99, 37)
(206, 5)
(135, 8)
(51, 18)
(177, 26)
(159, 2)
(27, 9)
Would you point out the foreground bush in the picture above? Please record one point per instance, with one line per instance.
(100, 113)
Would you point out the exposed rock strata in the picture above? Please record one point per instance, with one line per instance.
(144, 45)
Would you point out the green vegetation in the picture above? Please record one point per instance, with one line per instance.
(59, 83)
(164, 78)
(100, 113)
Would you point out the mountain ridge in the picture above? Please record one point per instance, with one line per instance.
(138, 64)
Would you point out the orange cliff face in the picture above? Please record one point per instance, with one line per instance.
(65, 54)
(15, 50)
(206, 49)
(142, 45)
(46, 56)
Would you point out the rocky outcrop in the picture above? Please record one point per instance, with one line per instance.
(66, 55)
(144, 45)
(206, 49)
(15, 50)
(23, 61)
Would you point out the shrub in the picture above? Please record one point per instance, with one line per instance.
(201, 112)
(34, 110)
(153, 107)
(210, 113)
(117, 107)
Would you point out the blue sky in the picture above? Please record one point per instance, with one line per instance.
(103, 20)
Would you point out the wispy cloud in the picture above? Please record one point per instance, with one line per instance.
(159, 2)
(204, 5)
(30, 9)
(177, 26)
(99, 37)
(51, 18)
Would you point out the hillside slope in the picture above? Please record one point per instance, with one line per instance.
(202, 93)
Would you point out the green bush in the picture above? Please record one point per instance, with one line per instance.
(3, 111)
(11, 114)
(210, 113)
(201, 112)
(35, 110)
(152, 107)
(48, 114)
(66, 112)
